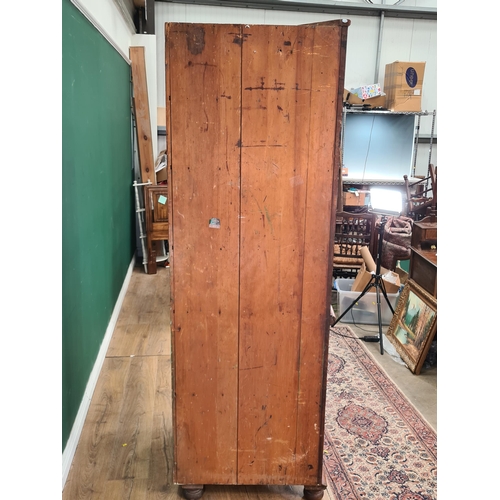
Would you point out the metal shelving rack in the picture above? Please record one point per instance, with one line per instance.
(417, 138)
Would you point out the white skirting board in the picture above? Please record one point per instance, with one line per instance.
(76, 430)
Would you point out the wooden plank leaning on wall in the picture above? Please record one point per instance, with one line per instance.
(141, 112)
(155, 232)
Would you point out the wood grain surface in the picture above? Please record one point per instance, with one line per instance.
(125, 449)
(288, 127)
(253, 115)
(142, 116)
(204, 109)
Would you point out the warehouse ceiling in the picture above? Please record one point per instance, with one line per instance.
(366, 8)
(141, 12)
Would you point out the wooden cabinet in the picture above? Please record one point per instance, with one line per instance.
(423, 257)
(253, 134)
(156, 208)
(423, 269)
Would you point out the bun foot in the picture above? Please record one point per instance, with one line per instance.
(192, 491)
(313, 492)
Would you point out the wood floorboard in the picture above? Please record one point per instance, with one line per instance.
(133, 436)
(129, 340)
(158, 343)
(94, 452)
(162, 453)
(125, 450)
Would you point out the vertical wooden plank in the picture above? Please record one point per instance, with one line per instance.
(141, 111)
(326, 68)
(290, 91)
(274, 179)
(203, 82)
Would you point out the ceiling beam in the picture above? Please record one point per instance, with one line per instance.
(344, 8)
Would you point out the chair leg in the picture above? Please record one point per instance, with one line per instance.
(151, 256)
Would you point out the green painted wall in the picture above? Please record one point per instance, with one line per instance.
(98, 227)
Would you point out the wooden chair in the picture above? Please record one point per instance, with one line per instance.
(421, 196)
(352, 231)
(157, 228)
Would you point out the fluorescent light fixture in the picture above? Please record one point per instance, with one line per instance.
(386, 201)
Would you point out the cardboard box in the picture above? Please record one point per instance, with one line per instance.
(391, 281)
(368, 91)
(373, 102)
(403, 84)
(354, 199)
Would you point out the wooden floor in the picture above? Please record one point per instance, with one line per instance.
(126, 449)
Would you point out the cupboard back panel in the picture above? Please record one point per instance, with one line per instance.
(253, 117)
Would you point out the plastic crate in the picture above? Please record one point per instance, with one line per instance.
(364, 312)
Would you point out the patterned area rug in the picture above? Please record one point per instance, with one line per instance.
(377, 445)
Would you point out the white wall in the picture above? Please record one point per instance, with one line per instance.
(402, 39)
(107, 18)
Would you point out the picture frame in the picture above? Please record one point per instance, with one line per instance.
(413, 325)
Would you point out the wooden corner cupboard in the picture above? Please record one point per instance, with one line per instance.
(253, 134)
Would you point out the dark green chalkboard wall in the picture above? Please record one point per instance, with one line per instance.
(98, 227)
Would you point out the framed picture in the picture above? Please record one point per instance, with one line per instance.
(413, 325)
